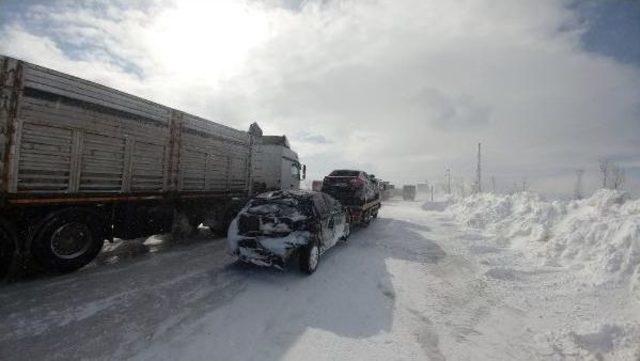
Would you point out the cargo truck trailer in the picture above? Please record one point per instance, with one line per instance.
(81, 162)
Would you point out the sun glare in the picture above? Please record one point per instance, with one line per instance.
(210, 39)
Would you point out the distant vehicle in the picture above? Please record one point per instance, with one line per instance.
(386, 190)
(316, 185)
(357, 191)
(409, 192)
(276, 226)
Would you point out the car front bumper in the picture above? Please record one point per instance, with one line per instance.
(262, 257)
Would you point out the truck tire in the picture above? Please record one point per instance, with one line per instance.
(7, 251)
(309, 258)
(183, 225)
(222, 225)
(68, 240)
(195, 221)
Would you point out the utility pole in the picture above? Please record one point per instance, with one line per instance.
(493, 184)
(479, 171)
(431, 193)
(448, 175)
(578, 190)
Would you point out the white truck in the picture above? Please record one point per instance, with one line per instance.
(275, 165)
(81, 162)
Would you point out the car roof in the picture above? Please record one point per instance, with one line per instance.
(289, 193)
(346, 170)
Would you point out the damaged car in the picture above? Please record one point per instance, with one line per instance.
(277, 226)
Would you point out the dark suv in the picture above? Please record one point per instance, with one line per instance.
(351, 187)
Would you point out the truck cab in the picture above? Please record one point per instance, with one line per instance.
(275, 166)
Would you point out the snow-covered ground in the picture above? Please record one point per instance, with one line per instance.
(418, 284)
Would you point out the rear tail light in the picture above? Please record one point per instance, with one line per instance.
(357, 182)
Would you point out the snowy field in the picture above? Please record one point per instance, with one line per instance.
(488, 278)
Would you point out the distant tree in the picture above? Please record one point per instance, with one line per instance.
(515, 188)
(617, 177)
(613, 175)
(605, 167)
(447, 175)
(460, 187)
(578, 189)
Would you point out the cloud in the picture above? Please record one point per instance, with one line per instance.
(402, 88)
(305, 137)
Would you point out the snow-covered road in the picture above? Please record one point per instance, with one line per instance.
(412, 286)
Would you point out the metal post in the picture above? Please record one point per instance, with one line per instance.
(448, 175)
(479, 172)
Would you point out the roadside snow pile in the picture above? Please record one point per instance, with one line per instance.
(600, 235)
(440, 204)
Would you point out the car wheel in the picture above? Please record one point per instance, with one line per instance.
(366, 220)
(346, 233)
(309, 258)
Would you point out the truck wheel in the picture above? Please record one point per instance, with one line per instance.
(309, 257)
(195, 222)
(182, 226)
(7, 251)
(68, 240)
(222, 226)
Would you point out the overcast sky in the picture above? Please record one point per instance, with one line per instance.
(400, 88)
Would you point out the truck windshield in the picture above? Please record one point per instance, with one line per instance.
(295, 170)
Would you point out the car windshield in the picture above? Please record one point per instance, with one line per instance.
(283, 207)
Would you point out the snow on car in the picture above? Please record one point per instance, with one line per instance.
(276, 226)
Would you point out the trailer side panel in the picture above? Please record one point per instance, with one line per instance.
(72, 136)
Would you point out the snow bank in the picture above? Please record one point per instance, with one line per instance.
(599, 235)
(439, 205)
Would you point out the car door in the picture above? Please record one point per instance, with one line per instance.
(324, 219)
(337, 220)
